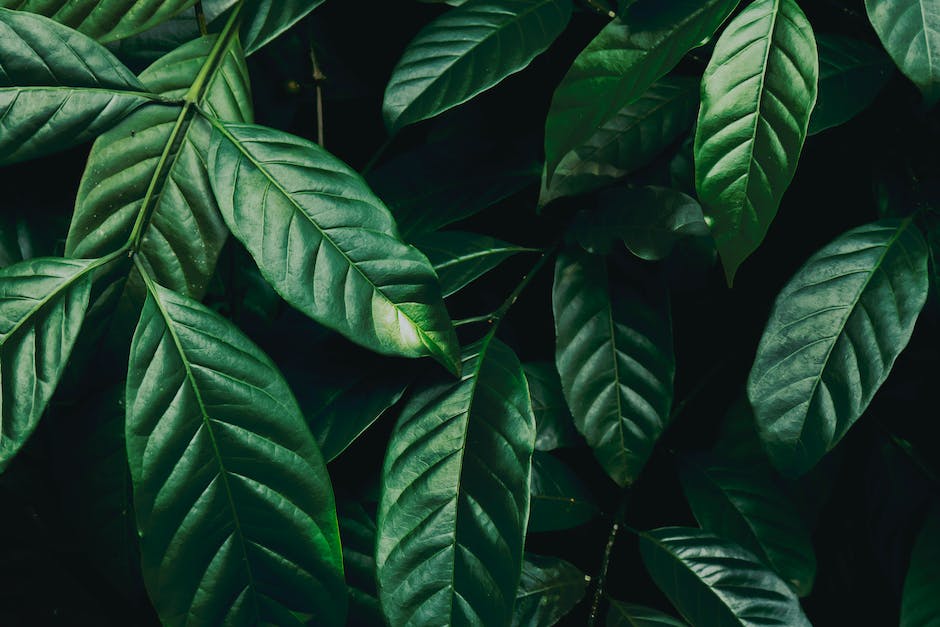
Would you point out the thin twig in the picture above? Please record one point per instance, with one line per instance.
(318, 78)
(601, 578)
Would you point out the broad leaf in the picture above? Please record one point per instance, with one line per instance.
(466, 51)
(327, 244)
(832, 337)
(757, 94)
(920, 605)
(559, 499)
(234, 505)
(459, 257)
(42, 306)
(628, 140)
(455, 497)
(549, 588)
(620, 64)
(744, 504)
(148, 174)
(851, 73)
(58, 88)
(716, 583)
(104, 21)
(910, 32)
(266, 19)
(357, 530)
(614, 354)
(554, 426)
(630, 615)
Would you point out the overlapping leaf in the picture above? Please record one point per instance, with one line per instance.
(460, 257)
(327, 244)
(357, 530)
(757, 95)
(554, 426)
(910, 32)
(58, 88)
(717, 583)
(620, 64)
(614, 355)
(832, 337)
(266, 19)
(920, 606)
(455, 497)
(466, 51)
(630, 615)
(234, 505)
(560, 500)
(549, 588)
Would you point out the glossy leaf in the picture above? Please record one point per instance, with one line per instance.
(920, 606)
(149, 172)
(234, 505)
(327, 244)
(715, 582)
(631, 615)
(42, 307)
(459, 257)
(648, 220)
(743, 504)
(851, 73)
(357, 529)
(466, 51)
(554, 426)
(455, 498)
(549, 588)
(559, 499)
(58, 88)
(757, 94)
(910, 32)
(266, 19)
(620, 64)
(614, 355)
(833, 335)
(628, 140)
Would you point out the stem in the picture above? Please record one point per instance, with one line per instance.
(318, 78)
(601, 578)
(484, 318)
(201, 19)
(374, 159)
(599, 8)
(500, 313)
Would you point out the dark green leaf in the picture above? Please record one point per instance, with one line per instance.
(455, 496)
(560, 500)
(920, 605)
(832, 337)
(58, 88)
(757, 94)
(266, 19)
(327, 244)
(548, 589)
(910, 32)
(630, 615)
(620, 64)
(614, 354)
(466, 51)
(716, 583)
(234, 505)
(357, 530)
(554, 426)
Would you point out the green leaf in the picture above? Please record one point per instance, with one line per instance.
(629, 615)
(715, 582)
(832, 337)
(58, 88)
(743, 504)
(42, 307)
(554, 426)
(628, 140)
(459, 257)
(266, 19)
(549, 588)
(455, 497)
(757, 94)
(149, 175)
(357, 530)
(910, 32)
(327, 244)
(920, 606)
(559, 499)
(234, 505)
(619, 66)
(466, 51)
(851, 73)
(104, 21)
(648, 220)
(614, 355)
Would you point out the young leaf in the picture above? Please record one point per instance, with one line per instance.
(549, 588)
(266, 19)
(554, 426)
(851, 73)
(42, 306)
(148, 174)
(832, 337)
(910, 32)
(920, 606)
(717, 583)
(234, 505)
(327, 244)
(757, 94)
(559, 498)
(455, 496)
(58, 88)
(620, 64)
(614, 355)
(628, 140)
(630, 615)
(466, 51)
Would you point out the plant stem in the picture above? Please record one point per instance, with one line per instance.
(318, 78)
(201, 19)
(497, 316)
(601, 578)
